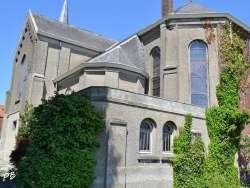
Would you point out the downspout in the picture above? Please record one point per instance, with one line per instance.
(126, 146)
(231, 32)
(58, 66)
(106, 161)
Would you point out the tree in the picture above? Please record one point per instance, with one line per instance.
(62, 144)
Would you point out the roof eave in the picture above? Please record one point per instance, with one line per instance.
(193, 16)
(33, 25)
(49, 35)
(99, 65)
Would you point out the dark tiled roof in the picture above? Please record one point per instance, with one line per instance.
(129, 52)
(193, 8)
(70, 33)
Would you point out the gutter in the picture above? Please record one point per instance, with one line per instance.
(190, 16)
(100, 65)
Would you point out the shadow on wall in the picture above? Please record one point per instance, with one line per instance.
(111, 161)
(115, 174)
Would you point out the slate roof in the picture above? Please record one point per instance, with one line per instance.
(129, 52)
(70, 33)
(193, 8)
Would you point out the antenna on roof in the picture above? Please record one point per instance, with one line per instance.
(64, 13)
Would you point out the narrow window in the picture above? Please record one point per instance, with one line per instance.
(14, 125)
(22, 75)
(198, 73)
(167, 136)
(145, 136)
(156, 54)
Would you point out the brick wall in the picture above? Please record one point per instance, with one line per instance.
(244, 94)
(166, 7)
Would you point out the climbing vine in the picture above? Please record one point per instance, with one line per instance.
(224, 123)
(23, 135)
(190, 157)
(209, 30)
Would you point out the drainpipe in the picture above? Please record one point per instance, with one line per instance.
(58, 66)
(106, 160)
(231, 32)
(126, 146)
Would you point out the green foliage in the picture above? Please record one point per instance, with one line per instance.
(26, 122)
(224, 122)
(190, 157)
(23, 135)
(62, 145)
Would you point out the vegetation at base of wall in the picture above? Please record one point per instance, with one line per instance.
(190, 157)
(62, 142)
(224, 122)
(23, 135)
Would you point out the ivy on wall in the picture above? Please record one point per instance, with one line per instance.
(224, 123)
(190, 157)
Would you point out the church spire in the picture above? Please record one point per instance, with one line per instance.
(64, 13)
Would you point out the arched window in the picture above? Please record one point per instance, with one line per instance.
(22, 75)
(198, 73)
(167, 137)
(145, 136)
(156, 54)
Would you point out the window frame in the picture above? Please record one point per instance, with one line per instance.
(169, 133)
(149, 134)
(206, 93)
(156, 64)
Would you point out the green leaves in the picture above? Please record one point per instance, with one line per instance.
(190, 157)
(62, 145)
(224, 122)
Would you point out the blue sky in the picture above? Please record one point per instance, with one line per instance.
(112, 18)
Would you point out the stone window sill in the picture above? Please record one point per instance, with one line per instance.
(164, 158)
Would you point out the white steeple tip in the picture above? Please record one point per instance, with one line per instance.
(64, 13)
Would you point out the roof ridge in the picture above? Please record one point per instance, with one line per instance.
(192, 6)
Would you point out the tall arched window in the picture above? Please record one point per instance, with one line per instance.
(167, 137)
(156, 54)
(198, 73)
(145, 136)
(22, 75)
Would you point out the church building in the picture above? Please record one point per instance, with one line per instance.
(144, 85)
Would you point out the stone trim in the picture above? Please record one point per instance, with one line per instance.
(106, 94)
(171, 69)
(118, 122)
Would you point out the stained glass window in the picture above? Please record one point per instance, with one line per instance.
(198, 73)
